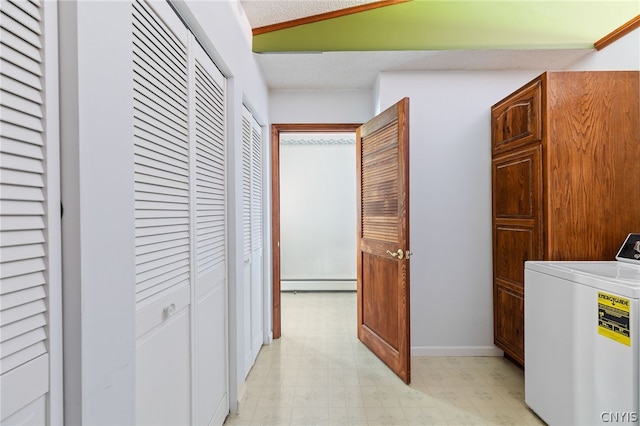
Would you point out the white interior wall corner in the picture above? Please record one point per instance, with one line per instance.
(98, 228)
(623, 54)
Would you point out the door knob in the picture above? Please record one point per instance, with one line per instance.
(399, 254)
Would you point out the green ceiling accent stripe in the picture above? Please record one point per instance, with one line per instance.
(456, 25)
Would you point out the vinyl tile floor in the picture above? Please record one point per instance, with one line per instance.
(318, 373)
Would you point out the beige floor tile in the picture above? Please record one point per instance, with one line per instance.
(310, 416)
(461, 414)
(386, 416)
(424, 416)
(318, 373)
(262, 415)
(507, 416)
(355, 418)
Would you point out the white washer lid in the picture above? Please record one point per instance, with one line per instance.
(616, 277)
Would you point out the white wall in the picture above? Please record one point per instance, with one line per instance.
(98, 224)
(339, 106)
(450, 204)
(623, 54)
(97, 192)
(318, 212)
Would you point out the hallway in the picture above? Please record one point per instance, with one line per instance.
(318, 373)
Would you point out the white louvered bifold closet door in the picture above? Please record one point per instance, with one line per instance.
(246, 183)
(256, 186)
(181, 234)
(257, 287)
(161, 157)
(211, 381)
(163, 231)
(246, 240)
(24, 358)
(252, 237)
(210, 168)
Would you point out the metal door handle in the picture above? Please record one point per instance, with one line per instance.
(399, 254)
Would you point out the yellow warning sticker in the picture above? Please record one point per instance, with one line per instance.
(613, 317)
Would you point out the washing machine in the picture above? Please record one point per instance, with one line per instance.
(582, 337)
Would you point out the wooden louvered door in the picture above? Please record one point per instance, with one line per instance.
(382, 154)
(30, 307)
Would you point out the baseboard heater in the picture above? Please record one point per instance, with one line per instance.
(318, 285)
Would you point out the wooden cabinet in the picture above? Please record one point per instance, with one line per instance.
(564, 188)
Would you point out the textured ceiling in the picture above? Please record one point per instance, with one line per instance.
(358, 70)
(267, 12)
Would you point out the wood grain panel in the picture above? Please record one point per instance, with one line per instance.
(514, 245)
(509, 322)
(324, 16)
(517, 119)
(592, 158)
(380, 311)
(275, 232)
(380, 184)
(618, 33)
(517, 184)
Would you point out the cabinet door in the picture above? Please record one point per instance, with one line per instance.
(517, 186)
(509, 321)
(512, 246)
(517, 237)
(517, 120)
(517, 213)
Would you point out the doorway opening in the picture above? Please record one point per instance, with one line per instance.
(278, 134)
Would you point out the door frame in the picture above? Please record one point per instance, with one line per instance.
(276, 129)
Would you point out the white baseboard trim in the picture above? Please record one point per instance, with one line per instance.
(456, 351)
(242, 394)
(319, 285)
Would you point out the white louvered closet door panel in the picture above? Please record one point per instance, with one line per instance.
(24, 360)
(257, 289)
(246, 238)
(246, 182)
(210, 373)
(256, 186)
(210, 168)
(161, 157)
(164, 231)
